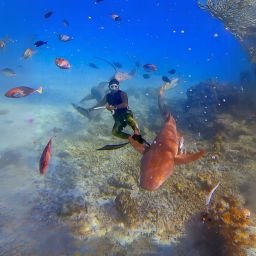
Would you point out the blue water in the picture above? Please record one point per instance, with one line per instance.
(150, 32)
(169, 34)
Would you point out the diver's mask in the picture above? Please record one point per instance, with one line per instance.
(113, 85)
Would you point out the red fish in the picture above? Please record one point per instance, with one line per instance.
(159, 159)
(62, 63)
(22, 91)
(45, 158)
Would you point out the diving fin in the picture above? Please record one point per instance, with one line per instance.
(114, 146)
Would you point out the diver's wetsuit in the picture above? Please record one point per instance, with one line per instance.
(122, 116)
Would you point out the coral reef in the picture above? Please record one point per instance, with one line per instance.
(210, 106)
(233, 224)
(238, 16)
(226, 228)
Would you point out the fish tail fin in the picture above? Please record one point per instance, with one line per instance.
(189, 157)
(40, 90)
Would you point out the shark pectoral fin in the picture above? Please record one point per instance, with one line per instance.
(187, 158)
(136, 145)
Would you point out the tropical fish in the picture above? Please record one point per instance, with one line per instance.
(65, 23)
(40, 43)
(2, 44)
(8, 72)
(5, 40)
(22, 91)
(116, 17)
(150, 67)
(28, 53)
(166, 79)
(159, 159)
(98, 1)
(62, 63)
(45, 158)
(172, 71)
(92, 65)
(48, 14)
(65, 38)
(122, 76)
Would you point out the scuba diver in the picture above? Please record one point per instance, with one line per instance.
(116, 101)
(99, 91)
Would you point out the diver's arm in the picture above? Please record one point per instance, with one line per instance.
(124, 103)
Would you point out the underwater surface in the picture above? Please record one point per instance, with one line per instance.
(85, 201)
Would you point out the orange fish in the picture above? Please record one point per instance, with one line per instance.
(62, 63)
(45, 158)
(159, 159)
(22, 91)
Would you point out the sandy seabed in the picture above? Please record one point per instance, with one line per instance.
(90, 203)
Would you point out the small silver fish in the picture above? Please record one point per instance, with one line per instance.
(28, 53)
(182, 148)
(209, 197)
(64, 38)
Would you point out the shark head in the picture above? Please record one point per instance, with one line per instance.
(155, 169)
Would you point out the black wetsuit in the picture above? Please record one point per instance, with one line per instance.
(122, 116)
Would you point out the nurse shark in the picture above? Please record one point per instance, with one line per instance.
(159, 159)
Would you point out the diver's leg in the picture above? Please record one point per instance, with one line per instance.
(117, 130)
(134, 125)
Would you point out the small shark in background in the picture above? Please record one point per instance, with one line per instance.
(159, 159)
